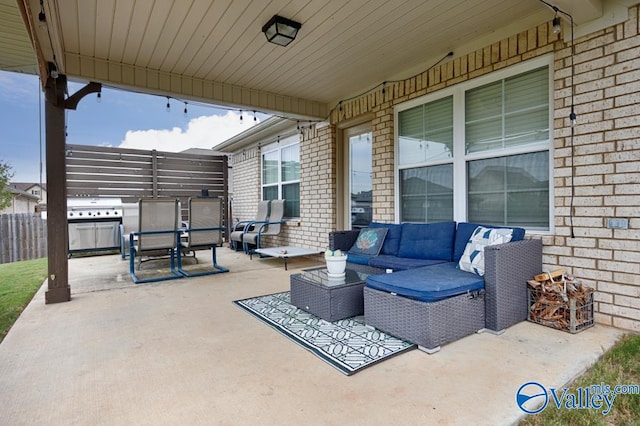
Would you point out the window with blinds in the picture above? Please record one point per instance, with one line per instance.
(480, 153)
(508, 113)
(426, 132)
(281, 175)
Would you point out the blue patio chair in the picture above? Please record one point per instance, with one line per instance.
(204, 231)
(156, 236)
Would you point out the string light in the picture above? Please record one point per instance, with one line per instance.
(168, 105)
(556, 22)
(254, 116)
(572, 114)
(448, 55)
(99, 97)
(185, 108)
(41, 16)
(240, 116)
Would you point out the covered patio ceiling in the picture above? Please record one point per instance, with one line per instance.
(213, 51)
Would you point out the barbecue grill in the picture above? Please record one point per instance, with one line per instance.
(94, 224)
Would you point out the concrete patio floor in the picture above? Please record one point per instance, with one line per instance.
(181, 352)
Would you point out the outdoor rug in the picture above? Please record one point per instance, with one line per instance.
(348, 345)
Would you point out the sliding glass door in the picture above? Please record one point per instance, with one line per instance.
(359, 180)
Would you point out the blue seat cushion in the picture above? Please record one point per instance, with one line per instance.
(465, 229)
(401, 263)
(392, 240)
(428, 284)
(427, 240)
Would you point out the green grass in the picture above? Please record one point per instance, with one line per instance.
(19, 281)
(618, 366)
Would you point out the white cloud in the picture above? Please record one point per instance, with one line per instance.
(201, 132)
(19, 88)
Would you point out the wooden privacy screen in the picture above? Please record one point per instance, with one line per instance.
(132, 174)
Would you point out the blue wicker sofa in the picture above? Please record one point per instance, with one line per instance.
(426, 298)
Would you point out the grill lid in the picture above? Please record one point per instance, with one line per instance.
(92, 208)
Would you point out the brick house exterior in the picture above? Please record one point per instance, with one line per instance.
(603, 160)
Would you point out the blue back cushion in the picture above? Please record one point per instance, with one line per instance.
(392, 240)
(465, 229)
(427, 240)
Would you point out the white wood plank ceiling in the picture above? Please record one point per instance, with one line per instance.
(214, 50)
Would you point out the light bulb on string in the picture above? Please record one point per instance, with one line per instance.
(556, 23)
(168, 105)
(99, 97)
(185, 108)
(240, 116)
(254, 116)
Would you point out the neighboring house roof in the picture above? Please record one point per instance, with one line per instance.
(258, 133)
(25, 186)
(19, 193)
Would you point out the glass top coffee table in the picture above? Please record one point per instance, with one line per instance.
(328, 298)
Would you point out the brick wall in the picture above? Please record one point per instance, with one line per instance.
(604, 158)
(604, 161)
(246, 184)
(317, 190)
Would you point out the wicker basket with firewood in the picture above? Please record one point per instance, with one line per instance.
(560, 301)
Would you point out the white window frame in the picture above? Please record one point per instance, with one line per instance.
(278, 147)
(460, 158)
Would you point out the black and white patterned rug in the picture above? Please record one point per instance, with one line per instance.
(348, 345)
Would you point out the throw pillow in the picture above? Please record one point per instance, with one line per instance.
(369, 241)
(472, 259)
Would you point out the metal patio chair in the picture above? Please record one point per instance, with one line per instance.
(248, 225)
(157, 235)
(204, 230)
(129, 224)
(271, 227)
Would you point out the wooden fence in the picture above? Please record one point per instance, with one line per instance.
(131, 174)
(23, 236)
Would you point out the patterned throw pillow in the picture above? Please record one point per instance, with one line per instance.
(369, 241)
(472, 259)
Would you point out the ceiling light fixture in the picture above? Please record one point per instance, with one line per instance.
(281, 31)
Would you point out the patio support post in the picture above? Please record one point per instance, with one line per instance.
(58, 236)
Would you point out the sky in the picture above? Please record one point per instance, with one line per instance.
(119, 119)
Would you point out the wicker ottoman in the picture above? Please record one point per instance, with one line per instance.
(428, 324)
(329, 299)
